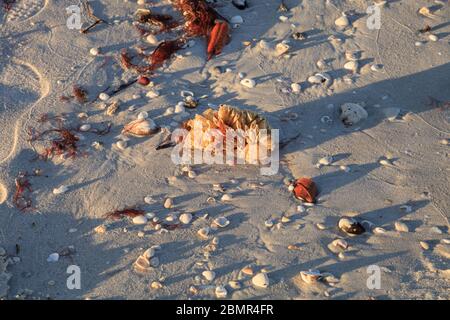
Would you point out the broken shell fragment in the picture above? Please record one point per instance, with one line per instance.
(305, 189)
(261, 280)
(311, 276)
(350, 226)
(379, 230)
(140, 128)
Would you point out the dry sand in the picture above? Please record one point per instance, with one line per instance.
(40, 60)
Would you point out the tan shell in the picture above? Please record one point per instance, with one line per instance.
(140, 128)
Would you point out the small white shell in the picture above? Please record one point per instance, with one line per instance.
(168, 203)
(61, 190)
(261, 280)
(379, 230)
(249, 83)
(296, 88)
(140, 220)
(209, 275)
(149, 253)
(237, 20)
(326, 161)
(94, 51)
(227, 197)
(433, 37)
(85, 127)
(54, 257)
(185, 218)
(338, 245)
(401, 226)
(152, 39)
(149, 199)
(221, 222)
(103, 96)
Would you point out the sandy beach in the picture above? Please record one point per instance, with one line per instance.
(226, 232)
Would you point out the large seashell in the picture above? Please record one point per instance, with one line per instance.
(221, 222)
(140, 128)
(311, 276)
(352, 113)
(350, 226)
(261, 280)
